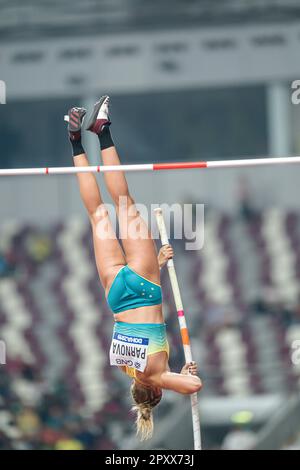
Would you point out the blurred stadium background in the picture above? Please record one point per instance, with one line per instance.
(189, 80)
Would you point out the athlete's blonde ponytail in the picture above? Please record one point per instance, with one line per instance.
(144, 421)
(145, 399)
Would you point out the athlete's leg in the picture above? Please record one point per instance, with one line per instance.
(139, 247)
(108, 253)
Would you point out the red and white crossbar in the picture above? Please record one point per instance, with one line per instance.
(253, 162)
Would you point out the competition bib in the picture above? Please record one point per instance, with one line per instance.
(129, 351)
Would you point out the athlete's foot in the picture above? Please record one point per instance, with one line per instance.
(99, 118)
(75, 120)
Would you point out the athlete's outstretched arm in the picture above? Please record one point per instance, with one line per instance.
(186, 382)
(180, 383)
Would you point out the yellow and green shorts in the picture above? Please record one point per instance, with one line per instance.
(151, 336)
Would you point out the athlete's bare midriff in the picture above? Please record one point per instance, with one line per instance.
(150, 314)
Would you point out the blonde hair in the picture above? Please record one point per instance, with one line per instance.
(145, 399)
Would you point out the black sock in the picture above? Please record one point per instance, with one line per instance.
(105, 138)
(77, 147)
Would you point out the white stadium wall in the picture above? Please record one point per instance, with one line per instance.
(154, 61)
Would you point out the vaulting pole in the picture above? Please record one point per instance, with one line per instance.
(182, 324)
